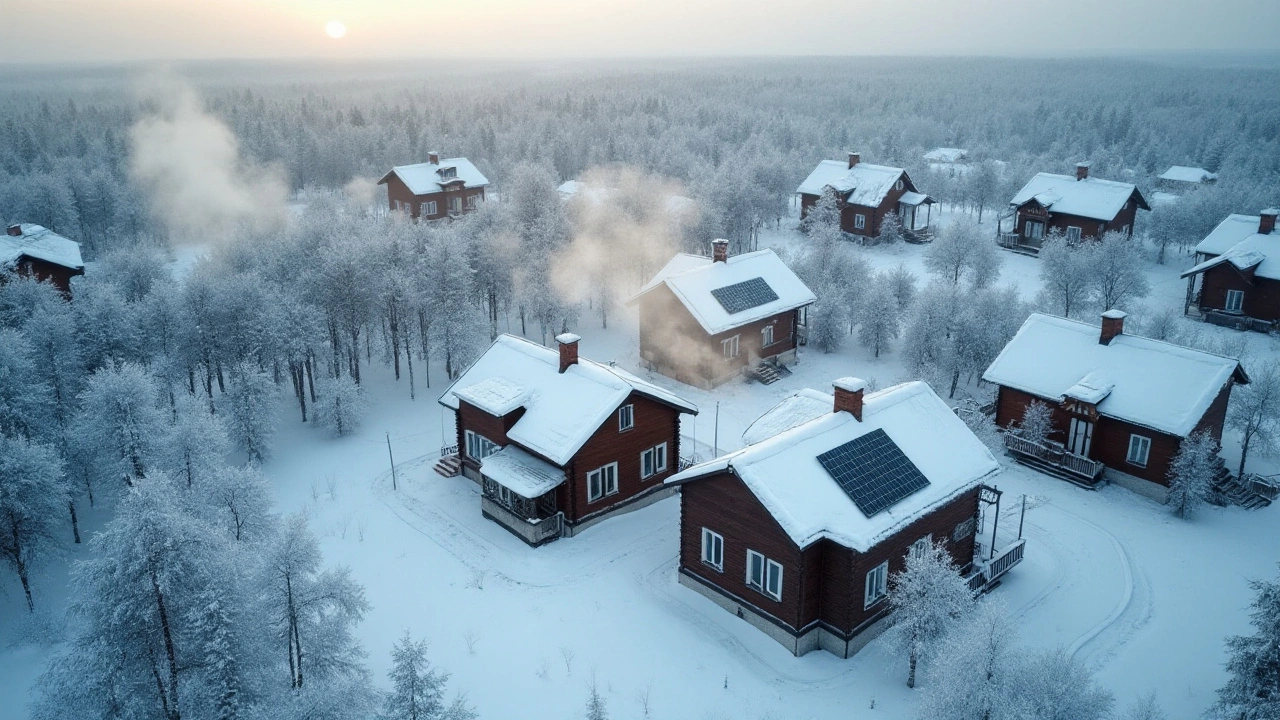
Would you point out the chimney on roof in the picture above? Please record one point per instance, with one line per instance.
(719, 251)
(433, 157)
(849, 396)
(1082, 171)
(854, 159)
(1267, 221)
(568, 350)
(1112, 325)
(16, 229)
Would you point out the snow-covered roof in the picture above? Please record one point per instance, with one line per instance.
(562, 410)
(784, 473)
(1092, 197)
(915, 198)
(425, 178)
(1146, 382)
(794, 411)
(1182, 173)
(862, 184)
(1236, 240)
(945, 155)
(40, 243)
(521, 473)
(692, 278)
(1228, 233)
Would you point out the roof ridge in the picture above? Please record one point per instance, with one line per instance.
(1132, 336)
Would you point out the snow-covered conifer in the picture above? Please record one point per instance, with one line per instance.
(340, 405)
(1191, 473)
(929, 597)
(596, 709)
(1252, 691)
(417, 688)
(33, 498)
(1036, 424)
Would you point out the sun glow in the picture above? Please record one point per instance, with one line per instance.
(335, 29)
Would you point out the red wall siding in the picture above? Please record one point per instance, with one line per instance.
(1261, 295)
(1089, 227)
(56, 275)
(874, 215)
(398, 191)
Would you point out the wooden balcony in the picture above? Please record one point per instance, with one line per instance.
(988, 572)
(1017, 243)
(1053, 459)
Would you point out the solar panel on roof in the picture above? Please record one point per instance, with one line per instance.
(873, 472)
(744, 295)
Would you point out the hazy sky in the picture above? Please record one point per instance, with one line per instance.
(113, 30)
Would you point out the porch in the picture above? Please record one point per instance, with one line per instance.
(1054, 459)
(1016, 243)
(914, 228)
(518, 491)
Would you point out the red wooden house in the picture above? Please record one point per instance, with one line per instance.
(436, 188)
(37, 252)
(1236, 280)
(558, 443)
(1121, 404)
(867, 193)
(1079, 207)
(799, 533)
(704, 321)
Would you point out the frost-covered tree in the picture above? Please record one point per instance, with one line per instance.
(236, 500)
(827, 268)
(33, 497)
(1116, 270)
(1191, 473)
(340, 406)
(1036, 423)
(1146, 707)
(250, 411)
(448, 292)
(977, 671)
(1055, 686)
(963, 250)
(1065, 276)
(119, 424)
(1252, 691)
(903, 284)
(195, 444)
(596, 709)
(1254, 411)
(24, 396)
(877, 314)
(417, 688)
(929, 598)
(928, 341)
(56, 359)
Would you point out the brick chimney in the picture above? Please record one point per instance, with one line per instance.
(16, 229)
(433, 157)
(1112, 325)
(854, 159)
(1267, 221)
(849, 396)
(719, 251)
(1082, 171)
(568, 350)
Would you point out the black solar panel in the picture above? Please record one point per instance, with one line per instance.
(873, 471)
(744, 295)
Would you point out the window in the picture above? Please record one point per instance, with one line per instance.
(1127, 229)
(455, 204)
(602, 482)
(480, 447)
(1235, 300)
(898, 185)
(713, 549)
(964, 529)
(471, 202)
(860, 221)
(920, 547)
(730, 347)
(877, 584)
(653, 461)
(1139, 450)
(429, 208)
(626, 417)
(766, 336)
(1033, 230)
(764, 574)
(1073, 234)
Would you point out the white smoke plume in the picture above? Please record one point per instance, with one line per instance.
(189, 163)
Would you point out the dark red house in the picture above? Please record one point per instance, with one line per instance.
(867, 193)
(1121, 404)
(558, 443)
(37, 252)
(1079, 207)
(436, 188)
(704, 321)
(1236, 280)
(799, 533)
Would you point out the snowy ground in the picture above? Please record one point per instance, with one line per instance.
(1144, 598)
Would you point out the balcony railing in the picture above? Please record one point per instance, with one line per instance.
(1057, 456)
(989, 571)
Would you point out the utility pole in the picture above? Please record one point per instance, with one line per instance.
(715, 437)
(393, 463)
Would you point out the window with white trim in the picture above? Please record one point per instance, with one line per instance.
(626, 417)
(877, 585)
(860, 221)
(429, 208)
(1139, 450)
(1073, 234)
(713, 549)
(920, 548)
(602, 482)
(766, 336)
(764, 574)
(455, 204)
(653, 461)
(1235, 300)
(471, 202)
(897, 185)
(730, 347)
(1033, 230)
(479, 447)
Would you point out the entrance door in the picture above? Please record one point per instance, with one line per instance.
(1081, 436)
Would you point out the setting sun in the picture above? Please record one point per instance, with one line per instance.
(335, 29)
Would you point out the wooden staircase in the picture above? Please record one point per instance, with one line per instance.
(766, 373)
(1227, 490)
(449, 466)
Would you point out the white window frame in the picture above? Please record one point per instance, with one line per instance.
(876, 587)
(653, 461)
(470, 202)
(1235, 301)
(713, 549)
(860, 221)
(479, 447)
(602, 482)
(730, 347)
(1074, 233)
(766, 336)
(920, 547)
(769, 579)
(1139, 450)
(430, 207)
(626, 417)
(1033, 229)
(455, 204)
(898, 185)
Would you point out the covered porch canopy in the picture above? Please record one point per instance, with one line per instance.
(521, 483)
(908, 209)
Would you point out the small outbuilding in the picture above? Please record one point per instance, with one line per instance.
(38, 252)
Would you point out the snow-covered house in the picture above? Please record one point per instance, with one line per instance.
(1236, 279)
(1079, 207)
(799, 532)
(867, 193)
(35, 251)
(704, 321)
(946, 155)
(559, 443)
(436, 188)
(1121, 404)
(1181, 177)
